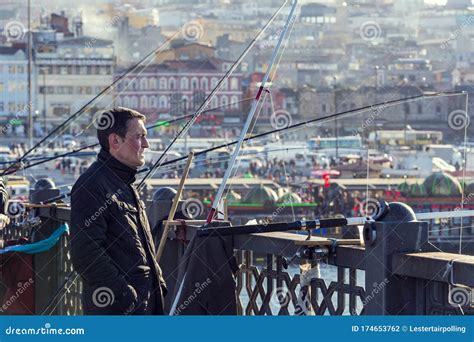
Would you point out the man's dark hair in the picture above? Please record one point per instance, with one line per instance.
(115, 121)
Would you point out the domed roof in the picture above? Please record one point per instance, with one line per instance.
(442, 184)
(260, 194)
(289, 198)
(403, 187)
(417, 190)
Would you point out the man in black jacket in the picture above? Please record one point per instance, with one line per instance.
(112, 246)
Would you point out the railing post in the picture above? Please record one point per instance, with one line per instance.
(398, 232)
(47, 264)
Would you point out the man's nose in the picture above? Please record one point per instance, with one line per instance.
(145, 143)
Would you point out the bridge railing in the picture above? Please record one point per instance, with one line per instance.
(397, 272)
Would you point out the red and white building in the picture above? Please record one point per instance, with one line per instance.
(178, 87)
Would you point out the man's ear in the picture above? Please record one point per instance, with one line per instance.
(115, 141)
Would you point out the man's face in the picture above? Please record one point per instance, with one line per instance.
(131, 149)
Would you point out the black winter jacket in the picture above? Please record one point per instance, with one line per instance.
(111, 242)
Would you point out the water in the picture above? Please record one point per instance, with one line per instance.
(326, 272)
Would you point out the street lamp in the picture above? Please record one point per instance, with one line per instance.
(375, 101)
(335, 120)
(43, 73)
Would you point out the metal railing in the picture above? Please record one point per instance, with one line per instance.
(397, 273)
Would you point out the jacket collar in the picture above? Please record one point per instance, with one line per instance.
(125, 173)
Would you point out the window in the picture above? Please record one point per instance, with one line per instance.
(163, 83)
(12, 87)
(184, 83)
(224, 101)
(88, 90)
(20, 69)
(61, 110)
(152, 83)
(185, 102)
(126, 101)
(420, 109)
(438, 109)
(234, 84)
(235, 102)
(163, 101)
(1, 107)
(194, 83)
(324, 108)
(2, 87)
(224, 85)
(133, 102)
(172, 83)
(143, 84)
(153, 102)
(214, 102)
(213, 82)
(143, 102)
(204, 83)
(12, 69)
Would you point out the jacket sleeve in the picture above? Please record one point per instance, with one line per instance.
(88, 241)
(3, 196)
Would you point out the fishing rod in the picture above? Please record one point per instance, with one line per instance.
(208, 99)
(46, 159)
(339, 115)
(304, 123)
(251, 115)
(82, 109)
(380, 212)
